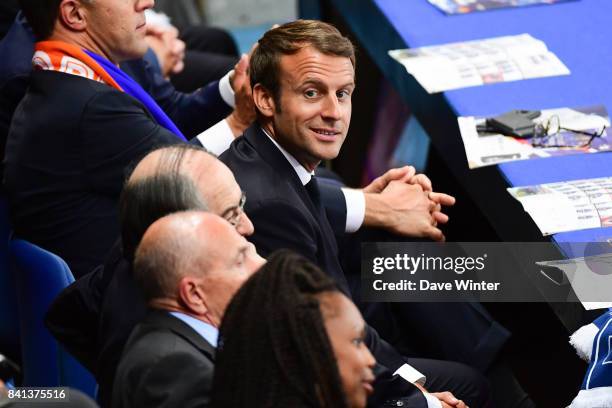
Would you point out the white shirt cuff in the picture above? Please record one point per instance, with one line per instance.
(432, 402)
(355, 208)
(411, 374)
(226, 91)
(218, 138)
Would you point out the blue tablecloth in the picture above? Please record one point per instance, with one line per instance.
(578, 32)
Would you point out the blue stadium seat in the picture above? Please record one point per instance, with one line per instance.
(9, 322)
(40, 276)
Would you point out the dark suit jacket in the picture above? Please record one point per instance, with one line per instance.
(282, 212)
(284, 216)
(70, 144)
(165, 364)
(192, 113)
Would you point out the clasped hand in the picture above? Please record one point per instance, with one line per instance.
(404, 203)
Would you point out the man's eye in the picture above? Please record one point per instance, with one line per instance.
(343, 94)
(311, 93)
(358, 341)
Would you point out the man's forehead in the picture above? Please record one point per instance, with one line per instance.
(311, 64)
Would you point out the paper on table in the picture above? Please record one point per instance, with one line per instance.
(590, 277)
(468, 6)
(568, 206)
(458, 65)
(495, 148)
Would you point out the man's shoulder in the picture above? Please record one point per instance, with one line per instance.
(156, 356)
(54, 82)
(154, 340)
(243, 155)
(261, 172)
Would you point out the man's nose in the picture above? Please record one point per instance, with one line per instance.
(245, 226)
(145, 4)
(332, 109)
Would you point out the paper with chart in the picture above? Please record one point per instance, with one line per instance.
(486, 149)
(568, 205)
(445, 67)
(469, 6)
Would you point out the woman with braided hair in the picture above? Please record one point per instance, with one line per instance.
(290, 338)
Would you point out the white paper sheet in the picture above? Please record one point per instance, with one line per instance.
(458, 65)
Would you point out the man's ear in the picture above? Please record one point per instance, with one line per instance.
(192, 296)
(73, 15)
(264, 101)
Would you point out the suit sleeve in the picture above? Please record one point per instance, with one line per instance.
(298, 235)
(334, 202)
(177, 380)
(191, 112)
(116, 132)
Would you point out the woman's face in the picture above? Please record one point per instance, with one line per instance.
(346, 330)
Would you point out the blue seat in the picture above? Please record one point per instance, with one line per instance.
(40, 276)
(9, 321)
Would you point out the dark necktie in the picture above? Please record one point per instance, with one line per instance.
(313, 191)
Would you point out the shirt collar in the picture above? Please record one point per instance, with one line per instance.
(208, 332)
(301, 171)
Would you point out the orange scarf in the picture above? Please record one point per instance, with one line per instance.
(70, 59)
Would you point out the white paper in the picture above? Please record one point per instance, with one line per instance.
(568, 206)
(458, 65)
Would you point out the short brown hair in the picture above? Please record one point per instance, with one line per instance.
(288, 39)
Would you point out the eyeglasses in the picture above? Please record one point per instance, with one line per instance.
(232, 215)
(549, 134)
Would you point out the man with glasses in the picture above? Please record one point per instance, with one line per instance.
(103, 307)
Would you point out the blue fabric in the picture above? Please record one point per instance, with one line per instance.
(208, 332)
(555, 169)
(40, 276)
(599, 373)
(132, 88)
(572, 243)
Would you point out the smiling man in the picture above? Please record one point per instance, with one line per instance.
(303, 77)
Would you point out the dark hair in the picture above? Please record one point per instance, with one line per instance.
(274, 350)
(144, 201)
(41, 15)
(288, 39)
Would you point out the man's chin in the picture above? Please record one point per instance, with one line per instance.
(135, 53)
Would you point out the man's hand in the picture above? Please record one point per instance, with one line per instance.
(448, 400)
(405, 173)
(168, 48)
(402, 209)
(244, 112)
(422, 228)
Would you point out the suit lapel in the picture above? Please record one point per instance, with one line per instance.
(162, 318)
(275, 158)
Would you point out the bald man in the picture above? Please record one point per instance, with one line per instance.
(94, 316)
(188, 265)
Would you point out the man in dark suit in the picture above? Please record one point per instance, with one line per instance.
(188, 265)
(72, 137)
(303, 77)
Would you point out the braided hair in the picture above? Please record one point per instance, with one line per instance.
(274, 350)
